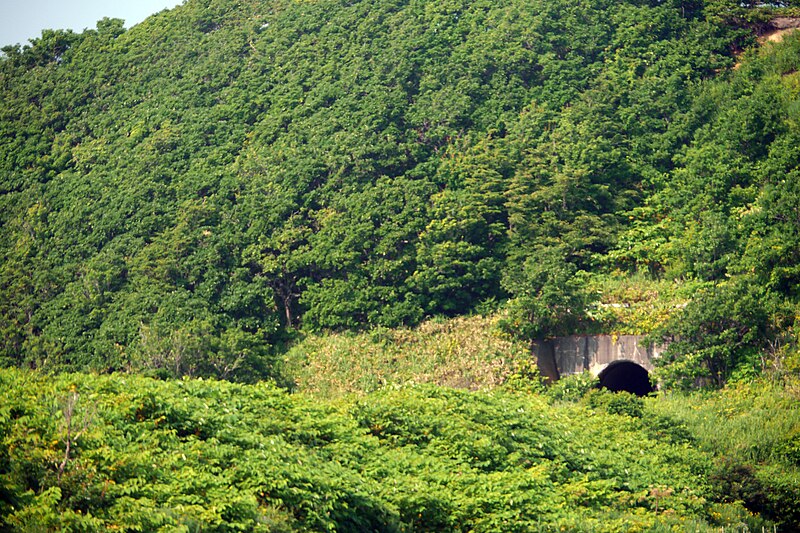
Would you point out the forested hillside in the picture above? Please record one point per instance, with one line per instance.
(361, 207)
(184, 195)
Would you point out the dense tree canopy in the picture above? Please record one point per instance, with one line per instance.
(181, 195)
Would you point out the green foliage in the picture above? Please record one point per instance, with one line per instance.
(179, 197)
(465, 352)
(616, 403)
(721, 331)
(733, 482)
(749, 427)
(573, 387)
(636, 304)
(95, 452)
(551, 298)
(724, 221)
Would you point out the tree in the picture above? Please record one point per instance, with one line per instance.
(549, 297)
(724, 330)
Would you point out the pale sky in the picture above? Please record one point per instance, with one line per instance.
(21, 20)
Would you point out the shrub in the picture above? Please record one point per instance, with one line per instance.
(573, 387)
(616, 403)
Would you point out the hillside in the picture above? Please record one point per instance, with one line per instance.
(183, 195)
(276, 265)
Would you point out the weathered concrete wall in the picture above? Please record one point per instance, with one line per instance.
(573, 355)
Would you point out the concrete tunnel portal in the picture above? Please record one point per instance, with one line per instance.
(620, 362)
(626, 376)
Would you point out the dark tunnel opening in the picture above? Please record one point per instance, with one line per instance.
(626, 376)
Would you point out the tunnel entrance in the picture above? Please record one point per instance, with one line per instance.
(626, 376)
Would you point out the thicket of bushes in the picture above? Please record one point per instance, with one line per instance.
(84, 452)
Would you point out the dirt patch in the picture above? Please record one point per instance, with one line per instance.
(776, 36)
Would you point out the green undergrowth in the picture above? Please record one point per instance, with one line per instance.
(83, 452)
(753, 429)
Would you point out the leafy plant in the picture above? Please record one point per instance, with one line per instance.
(222, 456)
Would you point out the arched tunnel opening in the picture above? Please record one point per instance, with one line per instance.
(626, 376)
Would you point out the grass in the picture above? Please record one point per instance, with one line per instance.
(753, 431)
(750, 430)
(218, 456)
(753, 422)
(465, 353)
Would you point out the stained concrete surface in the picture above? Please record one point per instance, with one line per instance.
(574, 354)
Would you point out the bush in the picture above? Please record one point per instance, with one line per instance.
(616, 403)
(218, 456)
(733, 481)
(573, 387)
